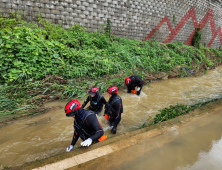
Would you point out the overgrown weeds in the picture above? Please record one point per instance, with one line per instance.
(179, 109)
(42, 60)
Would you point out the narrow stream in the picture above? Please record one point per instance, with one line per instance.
(49, 134)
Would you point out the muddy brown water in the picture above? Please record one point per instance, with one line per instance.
(49, 134)
(196, 145)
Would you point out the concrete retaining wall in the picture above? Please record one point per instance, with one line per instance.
(164, 20)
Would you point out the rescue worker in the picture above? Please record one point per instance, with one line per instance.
(113, 108)
(132, 82)
(96, 100)
(86, 125)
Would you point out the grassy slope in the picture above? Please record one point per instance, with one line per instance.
(45, 62)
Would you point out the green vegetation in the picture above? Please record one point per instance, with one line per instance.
(171, 112)
(197, 38)
(174, 18)
(42, 62)
(108, 28)
(179, 109)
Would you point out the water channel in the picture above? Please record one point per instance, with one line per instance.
(49, 134)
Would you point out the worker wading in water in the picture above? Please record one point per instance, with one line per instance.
(113, 108)
(132, 82)
(96, 100)
(86, 125)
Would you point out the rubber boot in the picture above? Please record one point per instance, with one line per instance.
(113, 131)
(112, 124)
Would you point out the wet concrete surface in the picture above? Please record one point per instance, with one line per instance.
(196, 145)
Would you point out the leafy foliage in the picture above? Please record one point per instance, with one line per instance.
(47, 49)
(31, 52)
(197, 38)
(171, 112)
(179, 109)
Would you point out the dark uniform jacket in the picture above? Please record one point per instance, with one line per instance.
(114, 108)
(135, 81)
(96, 102)
(87, 127)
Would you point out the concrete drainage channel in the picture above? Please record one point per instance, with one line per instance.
(102, 151)
(155, 136)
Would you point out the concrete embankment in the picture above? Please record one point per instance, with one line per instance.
(154, 136)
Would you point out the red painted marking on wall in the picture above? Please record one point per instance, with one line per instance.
(190, 14)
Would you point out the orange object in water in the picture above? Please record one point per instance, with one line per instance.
(102, 138)
(106, 116)
(134, 91)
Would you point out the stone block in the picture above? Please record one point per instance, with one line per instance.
(115, 2)
(4, 10)
(69, 10)
(74, 6)
(35, 8)
(44, 1)
(64, 13)
(78, 2)
(64, 4)
(81, 8)
(49, 6)
(69, 1)
(85, 12)
(45, 10)
(15, 6)
(40, 5)
(82, 16)
(89, 9)
(2, 5)
(77, 20)
(8, 5)
(85, 4)
(68, 18)
(74, 15)
(54, 2)
(59, 7)
(28, 3)
(47, 15)
(54, 11)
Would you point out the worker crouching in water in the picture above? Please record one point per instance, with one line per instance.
(86, 125)
(113, 108)
(96, 100)
(132, 82)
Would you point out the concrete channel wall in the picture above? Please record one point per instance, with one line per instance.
(163, 20)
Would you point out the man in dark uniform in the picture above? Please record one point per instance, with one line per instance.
(86, 125)
(113, 108)
(132, 82)
(96, 100)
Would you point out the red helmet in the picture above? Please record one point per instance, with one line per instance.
(94, 90)
(112, 90)
(71, 107)
(127, 81)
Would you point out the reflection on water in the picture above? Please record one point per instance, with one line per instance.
(208, 160)
(49, 134)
